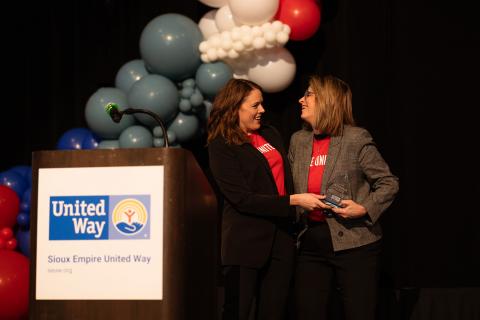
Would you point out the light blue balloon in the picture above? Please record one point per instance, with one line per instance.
(186, 92)
(211, 77)
(97, 118)
(129, 73)
(184, 126)
(169, 46)
(188, 83)
(172, 137)
(158, 142)
(108, 144)
(157, 132)
(185, 105)
(196, 99)
(205, 112)
(136, 137)
(157, 94)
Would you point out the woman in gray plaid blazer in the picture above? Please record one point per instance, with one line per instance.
(341, 243)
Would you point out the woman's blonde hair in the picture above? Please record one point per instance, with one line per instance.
(333, 99)
(224, 120)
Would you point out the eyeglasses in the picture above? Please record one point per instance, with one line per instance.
(308, 94)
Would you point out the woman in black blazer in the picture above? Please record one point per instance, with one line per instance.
(249, 164)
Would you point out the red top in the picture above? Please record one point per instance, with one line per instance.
(274, 159)
(315, 173)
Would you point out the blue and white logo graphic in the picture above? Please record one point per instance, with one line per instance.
(92, 217)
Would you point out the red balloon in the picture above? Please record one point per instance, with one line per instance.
(6, 233)
(14, 280)
(11, 244)
(302, 16)
(9, 207)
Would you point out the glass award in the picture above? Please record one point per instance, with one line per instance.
(337, 190)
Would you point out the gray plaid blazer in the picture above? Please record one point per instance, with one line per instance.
(370, 182)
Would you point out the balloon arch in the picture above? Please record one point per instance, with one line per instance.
(183, 64)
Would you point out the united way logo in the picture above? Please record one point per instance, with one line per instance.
(99, 217)
(129, 217)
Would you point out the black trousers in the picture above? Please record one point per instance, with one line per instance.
(262, 293)
(320, 270)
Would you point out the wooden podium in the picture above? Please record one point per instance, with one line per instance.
(189, 239)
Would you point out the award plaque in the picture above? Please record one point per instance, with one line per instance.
(337, 190)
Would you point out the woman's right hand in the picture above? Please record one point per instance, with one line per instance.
(308, 201)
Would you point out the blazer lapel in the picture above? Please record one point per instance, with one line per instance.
(333, 151)
(304, 158)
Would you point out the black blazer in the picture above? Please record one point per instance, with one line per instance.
(253, 209)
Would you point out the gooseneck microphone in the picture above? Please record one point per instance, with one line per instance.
(116, 115)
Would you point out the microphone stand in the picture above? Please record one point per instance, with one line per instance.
(116, 115)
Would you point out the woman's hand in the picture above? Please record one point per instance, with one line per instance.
(350, 209)
(308, 201)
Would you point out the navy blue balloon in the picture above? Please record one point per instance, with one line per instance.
(24, 171)
(15, 181)
(90, 141)
(24, 206)
(23, 220)
(72, 139)
(25, 201)
(23, 241)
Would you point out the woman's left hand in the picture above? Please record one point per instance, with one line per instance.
(350, 210)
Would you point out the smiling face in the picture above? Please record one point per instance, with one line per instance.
(250, 112)
(308, 104)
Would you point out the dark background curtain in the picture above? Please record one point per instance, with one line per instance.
(412, 66)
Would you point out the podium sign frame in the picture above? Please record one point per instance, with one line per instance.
(189, 238)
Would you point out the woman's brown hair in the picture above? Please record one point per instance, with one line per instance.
(223, 120)
(333, 99)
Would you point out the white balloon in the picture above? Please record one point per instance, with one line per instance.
(226, 44)
(214, 3)
(243, 76)
(259, 43)
(221, 53)
(232, 54)
(214, 41)
(224, 19)
(236, 34)
(270, 36)
(257, 31)
(277, 25)
(267, 26)
(204, 58)
(247, 40)
(273, 69)
(253, 12)
(238, 46)
(282, 37)
(207, 24)
(203, 46)
(212, 54)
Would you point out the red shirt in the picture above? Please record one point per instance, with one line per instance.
(274, 159)
(315, 173)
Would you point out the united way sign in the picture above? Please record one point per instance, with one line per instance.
(100, 233)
